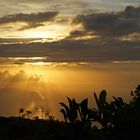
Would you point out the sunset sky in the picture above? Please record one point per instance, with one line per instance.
(69, 30)
(50, 49)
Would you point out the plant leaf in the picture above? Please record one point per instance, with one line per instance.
(96, 99)
(64, 114)
(102, 100)
(84, 107)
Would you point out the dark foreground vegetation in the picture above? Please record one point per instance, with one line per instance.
(114, 120)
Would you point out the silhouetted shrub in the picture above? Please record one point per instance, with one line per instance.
(119, 120)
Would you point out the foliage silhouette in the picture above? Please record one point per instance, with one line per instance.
(84, 110)
(24, 113)
(44, 113)
(102, 113)
(116, 117)
(119, 120)
(70, 111)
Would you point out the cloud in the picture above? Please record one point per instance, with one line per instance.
(70, 50)
(64, 20)
(30, 25)
(77, 33)
(32, 20)
(111, 24)
(104, 37)
(16, 91)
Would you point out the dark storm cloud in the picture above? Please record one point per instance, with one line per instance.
(75, 50)
(111, 24)
(32, 20)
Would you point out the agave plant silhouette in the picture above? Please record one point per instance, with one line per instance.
(83, 110)
(80, 111)
(102, 113)
(70, 111)
(106, 113)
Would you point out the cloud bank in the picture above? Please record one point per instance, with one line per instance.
(102, 37)
(32, 20)
(111, 24)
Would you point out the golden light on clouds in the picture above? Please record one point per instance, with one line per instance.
(49, 84)
(38, 34)
(131, 37)
(47, 33)
(52, 49)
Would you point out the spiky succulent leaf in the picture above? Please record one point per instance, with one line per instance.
(102, 100)
(84, 107)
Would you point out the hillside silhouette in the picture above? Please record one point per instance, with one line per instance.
(110, 120)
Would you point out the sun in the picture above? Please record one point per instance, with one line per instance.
(36, 34)
(48, 33)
